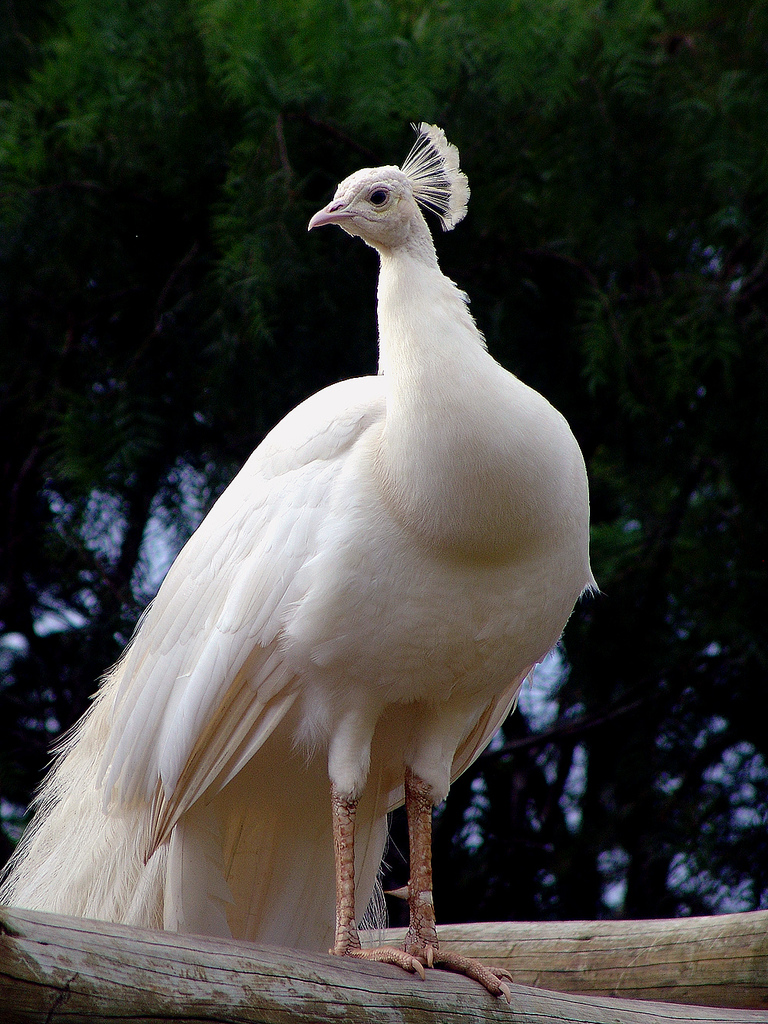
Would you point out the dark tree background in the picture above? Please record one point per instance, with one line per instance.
(161, 306)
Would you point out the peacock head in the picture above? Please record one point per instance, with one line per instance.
(375, 203)
(381, 204)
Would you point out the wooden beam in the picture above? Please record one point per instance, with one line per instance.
(56, 969)
(709, 961)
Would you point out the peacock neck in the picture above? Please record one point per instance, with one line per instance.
(427, 335)
(448, 459)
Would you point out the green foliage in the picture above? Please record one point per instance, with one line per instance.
(161, 306)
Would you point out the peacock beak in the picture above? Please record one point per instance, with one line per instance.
(334, 213)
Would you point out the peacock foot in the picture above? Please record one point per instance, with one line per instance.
(494, 979)
(384, 955)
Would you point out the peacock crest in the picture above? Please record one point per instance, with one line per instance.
(432, 167)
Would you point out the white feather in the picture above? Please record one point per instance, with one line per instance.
(432, 167)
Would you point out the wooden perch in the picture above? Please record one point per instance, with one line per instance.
(709, 961)
(56, 969)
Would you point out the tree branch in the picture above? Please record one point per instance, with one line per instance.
(576, 727)
(56, 969)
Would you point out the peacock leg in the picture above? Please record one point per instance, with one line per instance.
(347, 940)
(421, 939)
(344, 809)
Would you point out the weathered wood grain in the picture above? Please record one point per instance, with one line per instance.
(710, 961)
(55, 969)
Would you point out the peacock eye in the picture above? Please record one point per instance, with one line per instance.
(379, 196)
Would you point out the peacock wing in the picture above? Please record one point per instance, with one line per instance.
(205, 679)
(487, 725)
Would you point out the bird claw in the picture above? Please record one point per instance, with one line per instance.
(389, 955)
(494, 979)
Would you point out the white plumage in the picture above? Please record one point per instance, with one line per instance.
(365, 598)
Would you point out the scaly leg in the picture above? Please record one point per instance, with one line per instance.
(346, 940)
(421, 939)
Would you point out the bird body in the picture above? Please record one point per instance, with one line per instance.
(369, 593)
